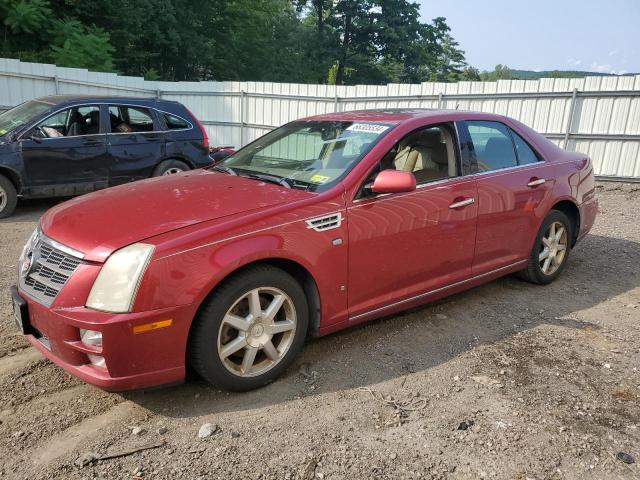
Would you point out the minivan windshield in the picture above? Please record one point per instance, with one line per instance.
(22, 114)
(311, 155)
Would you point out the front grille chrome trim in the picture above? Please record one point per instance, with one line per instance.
(62, 247)
(51, 264)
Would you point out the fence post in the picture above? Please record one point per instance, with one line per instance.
(242, 97)
(572, 109)
(335, 99)
(158, 93)
(440, 100)
(56, 84)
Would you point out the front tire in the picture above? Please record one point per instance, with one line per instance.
(550, 250)
(8, 197)
(170, 167)
(250, 329)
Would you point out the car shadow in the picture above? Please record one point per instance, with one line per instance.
(419, 339)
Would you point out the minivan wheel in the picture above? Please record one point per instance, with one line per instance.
(250, 329)
(550, 250)
(170, 167)
(8, 197)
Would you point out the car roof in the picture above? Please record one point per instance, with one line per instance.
(62, 100)
(399, 115)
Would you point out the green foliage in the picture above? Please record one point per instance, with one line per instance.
(25, 16)
(305, 41)
(501, 72)
(82, 47)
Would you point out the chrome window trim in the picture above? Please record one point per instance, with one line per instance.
(88, 104)
(434, 183)
(436, 290)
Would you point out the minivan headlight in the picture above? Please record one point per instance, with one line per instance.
(115, 288)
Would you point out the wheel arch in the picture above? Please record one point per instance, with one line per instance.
(571, 210)
(190, 164)
(298, 271)
(13, 177)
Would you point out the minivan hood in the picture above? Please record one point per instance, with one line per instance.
(101, 222)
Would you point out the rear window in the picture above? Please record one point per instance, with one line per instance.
(492, 144)
(526, 155)
(175, 123)
(128, 119)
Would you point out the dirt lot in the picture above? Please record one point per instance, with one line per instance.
(508, 380)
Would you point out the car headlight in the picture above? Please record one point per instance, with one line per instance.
(115, 288)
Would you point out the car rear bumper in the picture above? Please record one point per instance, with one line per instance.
(134, 359)
(588, 212)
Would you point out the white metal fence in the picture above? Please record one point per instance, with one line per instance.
(599, 116)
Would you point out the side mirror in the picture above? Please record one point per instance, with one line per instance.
(393, 181)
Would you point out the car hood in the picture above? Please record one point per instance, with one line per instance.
(99, 223)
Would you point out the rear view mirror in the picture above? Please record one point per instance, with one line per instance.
(393, 181)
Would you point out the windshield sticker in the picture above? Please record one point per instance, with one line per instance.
(319, 179)
(367, 127)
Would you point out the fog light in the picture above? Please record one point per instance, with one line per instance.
(91, 338)
(97, 360)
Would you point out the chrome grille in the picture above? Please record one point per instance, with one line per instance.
(48, 272)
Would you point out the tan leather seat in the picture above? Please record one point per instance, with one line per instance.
(429, 154)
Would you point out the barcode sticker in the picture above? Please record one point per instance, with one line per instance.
(367, 127)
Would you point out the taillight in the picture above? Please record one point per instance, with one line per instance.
(205, 137)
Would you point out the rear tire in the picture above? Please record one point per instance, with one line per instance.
(249, 330)
(550, 250)
(170, 167)
(8, 197)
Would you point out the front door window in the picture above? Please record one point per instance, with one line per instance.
(71, 122)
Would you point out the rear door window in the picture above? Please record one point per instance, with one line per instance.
(525, 153)
(130, 119)
(492, 145)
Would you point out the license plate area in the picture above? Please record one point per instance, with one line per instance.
(20, 312)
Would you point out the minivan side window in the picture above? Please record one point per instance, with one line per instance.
(525, 154)
(72, 122)
(128, 119)
(175, 123)
(492, 144)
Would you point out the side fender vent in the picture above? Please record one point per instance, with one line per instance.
(326, 222)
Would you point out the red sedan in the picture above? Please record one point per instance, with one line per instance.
(321, 224)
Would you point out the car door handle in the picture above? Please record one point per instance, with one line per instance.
(534, 182)
(462, 203)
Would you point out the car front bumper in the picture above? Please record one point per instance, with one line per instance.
(136, 354)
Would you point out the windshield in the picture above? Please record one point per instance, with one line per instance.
(22, 114)
(311, 155)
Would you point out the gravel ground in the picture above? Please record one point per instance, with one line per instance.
(507, 380)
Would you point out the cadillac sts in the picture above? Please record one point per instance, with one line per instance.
(321, 224)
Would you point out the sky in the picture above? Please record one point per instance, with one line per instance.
(592, 35)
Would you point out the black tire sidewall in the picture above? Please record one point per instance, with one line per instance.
(203, 339)
(167, 164)
(553, 216)
(12, 197)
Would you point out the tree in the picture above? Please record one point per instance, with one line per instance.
(501, 72)
(82, 47)
(306, 41)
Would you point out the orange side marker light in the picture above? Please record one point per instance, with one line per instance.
(147, 327)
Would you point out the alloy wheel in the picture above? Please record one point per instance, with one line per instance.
(3, 199)
(172, 171)
(257, 332)
(553, 248)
